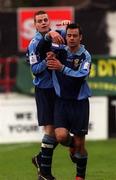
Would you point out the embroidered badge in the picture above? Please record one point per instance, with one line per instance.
(76, 62)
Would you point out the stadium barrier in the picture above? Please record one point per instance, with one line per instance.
(20, 123)
(18, 119)
(102, 79)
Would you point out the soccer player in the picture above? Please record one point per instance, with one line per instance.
(44, 93)
(71, 66)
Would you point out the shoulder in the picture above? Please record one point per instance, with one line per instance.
(35, 40)
(88, 55)
(85, 52)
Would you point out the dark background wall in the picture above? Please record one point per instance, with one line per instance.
(91, 16)
(8, 34)
(93, 22)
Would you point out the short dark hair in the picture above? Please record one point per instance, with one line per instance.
(39, 13)
(74, 26)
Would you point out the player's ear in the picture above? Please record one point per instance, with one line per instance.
(81, 37)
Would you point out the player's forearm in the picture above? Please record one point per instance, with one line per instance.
(39, 67)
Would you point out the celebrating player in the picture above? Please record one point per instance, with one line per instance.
(71, 66)
(44, 93)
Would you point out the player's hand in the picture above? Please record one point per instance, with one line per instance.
(50, 55)
(56, 37)
(54, 64)
(65, 22)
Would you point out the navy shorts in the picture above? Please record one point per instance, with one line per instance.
(72, 115)
(45, 99)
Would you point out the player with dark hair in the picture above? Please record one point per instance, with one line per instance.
(71, 66)
(44, 93)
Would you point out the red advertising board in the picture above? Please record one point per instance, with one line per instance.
(26, 28)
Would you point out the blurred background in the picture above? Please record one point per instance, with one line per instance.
(98, 20)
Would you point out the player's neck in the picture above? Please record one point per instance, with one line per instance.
(74, 49)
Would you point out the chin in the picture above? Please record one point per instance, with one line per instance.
(45, 29)
(72, 45)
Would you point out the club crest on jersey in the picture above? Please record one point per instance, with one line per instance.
(76, 62)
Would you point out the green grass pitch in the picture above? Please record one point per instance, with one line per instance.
(15, 161)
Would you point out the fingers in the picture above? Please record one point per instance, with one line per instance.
(58, 40)
(50, 54)
(50, 64)
(56, 37)
(64, 23)
(54, 64)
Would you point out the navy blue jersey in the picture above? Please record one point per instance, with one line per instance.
(71, 82)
